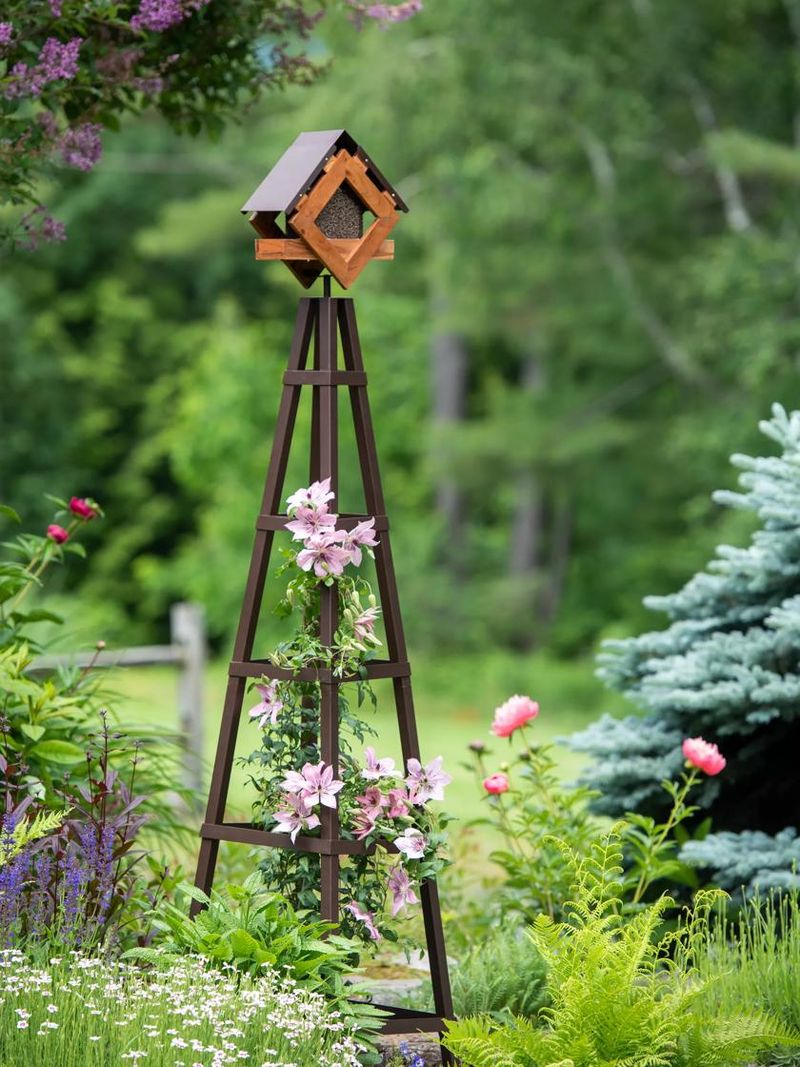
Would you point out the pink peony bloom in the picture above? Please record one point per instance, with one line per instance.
(426, 783)
(365, 917)
(294, 817)
(308, 522)
(495, 784)
(324, 555)
(398, 802)
(377, 768)
(315, 785)
(267, 710)
(81, 507)
(57, 533)
(704, 755)
(316, 496)
(364, 624)
(514, 713)
(363, 534)
(411, 843)
(400, 887)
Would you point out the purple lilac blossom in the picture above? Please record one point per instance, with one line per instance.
(6, 33)
(158, 15)
(57, 61)
(55, 8)
(80, 146)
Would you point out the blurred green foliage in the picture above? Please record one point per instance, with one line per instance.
(603, 233)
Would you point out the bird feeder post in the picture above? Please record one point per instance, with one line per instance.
(320, 189)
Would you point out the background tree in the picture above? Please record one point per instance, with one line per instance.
(726, 668)
(595, 297)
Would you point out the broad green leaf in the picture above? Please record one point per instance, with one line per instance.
(58, 752)
(32, 730)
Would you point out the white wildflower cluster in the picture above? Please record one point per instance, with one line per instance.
(175, 1014)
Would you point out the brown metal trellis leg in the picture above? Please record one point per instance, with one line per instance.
(395, 638)
(323, 319)
(254, 590)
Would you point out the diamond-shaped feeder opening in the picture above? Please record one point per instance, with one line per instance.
(326, 188)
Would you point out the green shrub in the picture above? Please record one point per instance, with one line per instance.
(754, 960)
(622, 992)
(248, 928)
(502, 973)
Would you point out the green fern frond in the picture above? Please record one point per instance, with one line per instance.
(44, 823)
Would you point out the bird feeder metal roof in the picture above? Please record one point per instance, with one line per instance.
(299, 166)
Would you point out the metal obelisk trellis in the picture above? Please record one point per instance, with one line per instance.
(321, 322)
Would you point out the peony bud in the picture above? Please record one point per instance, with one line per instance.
(57, 533)
(82, 508)
(495, 784)
(477, 746)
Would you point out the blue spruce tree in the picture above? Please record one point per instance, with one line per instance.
(727, 668)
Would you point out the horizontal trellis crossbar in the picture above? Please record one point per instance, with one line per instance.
(409, 1021)
(325, 377)
(261, 668)
(344, 522)
(244, 833)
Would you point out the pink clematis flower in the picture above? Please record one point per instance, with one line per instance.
(365, 917)
(308, 522)
(704, 755)
(364, 624)
(323, 553)
(57, 533)
(400, 887)
(294, 816)
(377, 768)
(316, 496)
(398, 802)
(373, 802)
(315, 785)
(426, 783)
(363, 534)
(496, 784)
(411, 843)
(267, 710)
(514, 713)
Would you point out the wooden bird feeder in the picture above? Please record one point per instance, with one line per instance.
(309, 210)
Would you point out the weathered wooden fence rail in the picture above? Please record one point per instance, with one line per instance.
(188, 650)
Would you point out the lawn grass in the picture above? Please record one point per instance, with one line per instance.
(455, 698)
